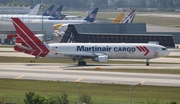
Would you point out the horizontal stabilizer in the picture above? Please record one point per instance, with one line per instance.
(24, 47)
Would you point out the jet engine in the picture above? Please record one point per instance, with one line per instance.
(103, 58)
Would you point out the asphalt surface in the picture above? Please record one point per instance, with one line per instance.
(55, 72)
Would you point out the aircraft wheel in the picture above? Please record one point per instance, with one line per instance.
(147, 63)
(82, 63)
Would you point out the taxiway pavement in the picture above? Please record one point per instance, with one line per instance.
(55, 72)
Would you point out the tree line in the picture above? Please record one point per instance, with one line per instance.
(102, 4)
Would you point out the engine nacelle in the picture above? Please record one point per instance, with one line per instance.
(101, 58)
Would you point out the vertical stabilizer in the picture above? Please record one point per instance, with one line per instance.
(49, 11)
(35, 10)
(129, 18)
(119, 18)
(27, 42)
(91, 16)
(57, 12)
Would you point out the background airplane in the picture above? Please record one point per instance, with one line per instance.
(28, 43)
(34, 11)
(119, 18)
(28, 17)
(90, 18)
(49, 11)
(129, 18)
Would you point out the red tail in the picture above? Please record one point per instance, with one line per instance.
(26, 41)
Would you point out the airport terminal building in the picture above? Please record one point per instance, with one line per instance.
(116, 33)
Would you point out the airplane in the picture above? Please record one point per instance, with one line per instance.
(33, 11)
(62, 27)
(119, 18)
(130, 17)
(57, 12)
(28, 17)
(90, 18)
(49, 11)
(28, 43)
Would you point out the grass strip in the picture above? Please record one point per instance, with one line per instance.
(12, 89)
(58, 60)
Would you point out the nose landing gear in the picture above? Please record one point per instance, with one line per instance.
(147, 62)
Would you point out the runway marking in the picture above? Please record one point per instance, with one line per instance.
(78, 80)
(19, 77)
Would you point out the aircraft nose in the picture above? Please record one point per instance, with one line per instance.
(167, 52)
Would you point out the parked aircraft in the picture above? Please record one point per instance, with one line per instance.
(28, 17)
(34, 11)
(119, 18)
(90, 18)
(49, 11)
(28, 43)
(129, 18)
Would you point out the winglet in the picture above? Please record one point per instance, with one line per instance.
(35, 10)
(27, 41)
(57, 12)
(130, 17)
(91, 17)
(119, 18)
(49, 11)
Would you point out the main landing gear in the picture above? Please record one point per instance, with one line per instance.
(82, 63)
(147, 62)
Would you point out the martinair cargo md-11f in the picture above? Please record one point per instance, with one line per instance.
(28, 43)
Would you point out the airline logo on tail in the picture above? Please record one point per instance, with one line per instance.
(92, 16)
(49, 11)
(57, 12)
(143, 49)
(26, 41)
(129, 18)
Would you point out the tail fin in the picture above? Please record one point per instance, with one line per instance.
(60, 17)
(49, 11)
(91, 17)
(26, 41)
(130, 17)
(35, 10)
(57, 12)
(119, 18)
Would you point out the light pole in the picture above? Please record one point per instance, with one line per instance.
(131, 90)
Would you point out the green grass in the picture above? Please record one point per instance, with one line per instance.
(6, 46)
(99, 92)
(47, 60)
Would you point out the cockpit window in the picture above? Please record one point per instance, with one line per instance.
(163, 49)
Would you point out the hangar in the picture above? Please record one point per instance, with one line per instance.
(115, 33)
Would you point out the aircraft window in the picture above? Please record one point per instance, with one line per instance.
(163, 48)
